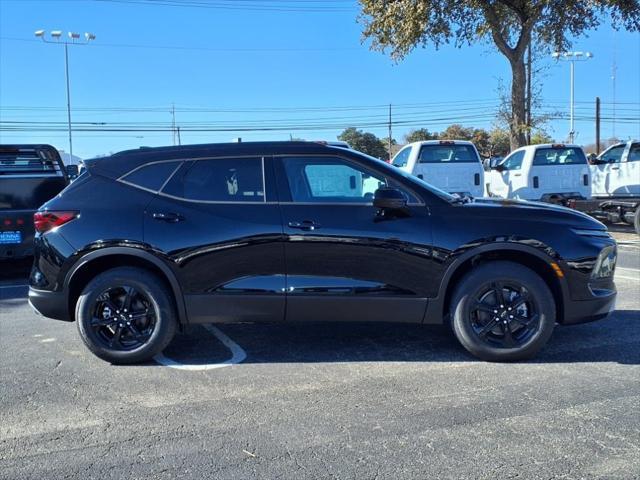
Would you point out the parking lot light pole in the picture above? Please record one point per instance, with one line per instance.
(73, 39)
(572, 58)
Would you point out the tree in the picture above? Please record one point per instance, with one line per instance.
(365, 142)
(511, 25)
(420, 135)
(499, 143)
(540, 136)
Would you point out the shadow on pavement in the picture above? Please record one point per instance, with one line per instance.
(612, 340)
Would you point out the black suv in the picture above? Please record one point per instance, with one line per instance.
(149, 241)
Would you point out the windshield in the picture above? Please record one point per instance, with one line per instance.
(413, 179)
(443, 153)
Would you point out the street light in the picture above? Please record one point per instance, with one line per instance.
(572, 58)
(73, 39)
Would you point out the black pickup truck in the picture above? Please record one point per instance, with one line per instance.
(29, 176)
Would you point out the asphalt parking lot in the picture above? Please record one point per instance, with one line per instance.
(354, 401)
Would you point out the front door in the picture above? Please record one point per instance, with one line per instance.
(511, 179)
(344, 261)
(223, 233)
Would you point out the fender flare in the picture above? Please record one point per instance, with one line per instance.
(168, 272)
(434, 313)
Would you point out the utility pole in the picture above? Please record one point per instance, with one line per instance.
(389, 131)
(597, 125)
(74, 39)
(529, 95)
(173, 122)
(179, 140)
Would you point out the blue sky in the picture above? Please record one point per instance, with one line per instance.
(235, 68)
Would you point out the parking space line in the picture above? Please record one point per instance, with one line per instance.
(238, 355)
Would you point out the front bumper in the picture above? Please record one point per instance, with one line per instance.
(596, 308)
(50, 304)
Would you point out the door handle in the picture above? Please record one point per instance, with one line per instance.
(517, 174)
(305, 225)
(168, 217)
(615, 168)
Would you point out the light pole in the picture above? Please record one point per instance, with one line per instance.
(572, 58)
(74, 39)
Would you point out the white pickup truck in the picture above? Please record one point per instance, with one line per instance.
(450, 165)
(615, 185)
(551, 173)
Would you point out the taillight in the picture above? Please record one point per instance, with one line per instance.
(45, 221)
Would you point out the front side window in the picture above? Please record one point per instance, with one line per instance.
(514, 161)
(402, 158)
(613, 155)
(559, 156)
(443, 153)
(219, 180)
(332, 180)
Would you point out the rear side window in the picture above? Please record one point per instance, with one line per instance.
(151, 176)
(559, 156)
(634, 153)
(219, 180)
(27, 162)
(448, 154)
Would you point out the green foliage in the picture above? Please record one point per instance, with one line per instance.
(420, 135)
(540, 136)
(399, 26)
(499, 143)
(365, 142)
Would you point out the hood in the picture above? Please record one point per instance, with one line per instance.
(537, 211)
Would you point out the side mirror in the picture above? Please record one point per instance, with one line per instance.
(499, 168)
(72, 171)
(388, 198)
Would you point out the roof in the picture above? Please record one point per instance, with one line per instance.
(120, 163)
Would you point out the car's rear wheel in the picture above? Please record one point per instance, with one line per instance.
(126, 315)
(503, 311)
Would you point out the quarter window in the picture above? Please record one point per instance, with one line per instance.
(219, 180)
(152, 176)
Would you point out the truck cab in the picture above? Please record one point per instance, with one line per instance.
(551, 173)
(616, 172)
(450, 165)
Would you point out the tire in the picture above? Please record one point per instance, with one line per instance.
(145, 328)
(478, 317)
(636, 220)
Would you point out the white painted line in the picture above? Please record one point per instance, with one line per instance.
(626, 269)
(624, 277)
(237, 354)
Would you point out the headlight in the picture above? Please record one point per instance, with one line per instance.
(606, 263)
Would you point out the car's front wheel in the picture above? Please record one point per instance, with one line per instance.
(126, 315)
(503, 311)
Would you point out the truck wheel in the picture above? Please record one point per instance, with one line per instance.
(126, 315)
(502, 311)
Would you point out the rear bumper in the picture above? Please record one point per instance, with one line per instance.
(50, 304)
(595, 308)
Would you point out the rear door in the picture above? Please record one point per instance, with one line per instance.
(624, 172)
(218, 221)
(345, 262)
(559, 170)
(452, 167)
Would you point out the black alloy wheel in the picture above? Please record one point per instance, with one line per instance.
(502, 311)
